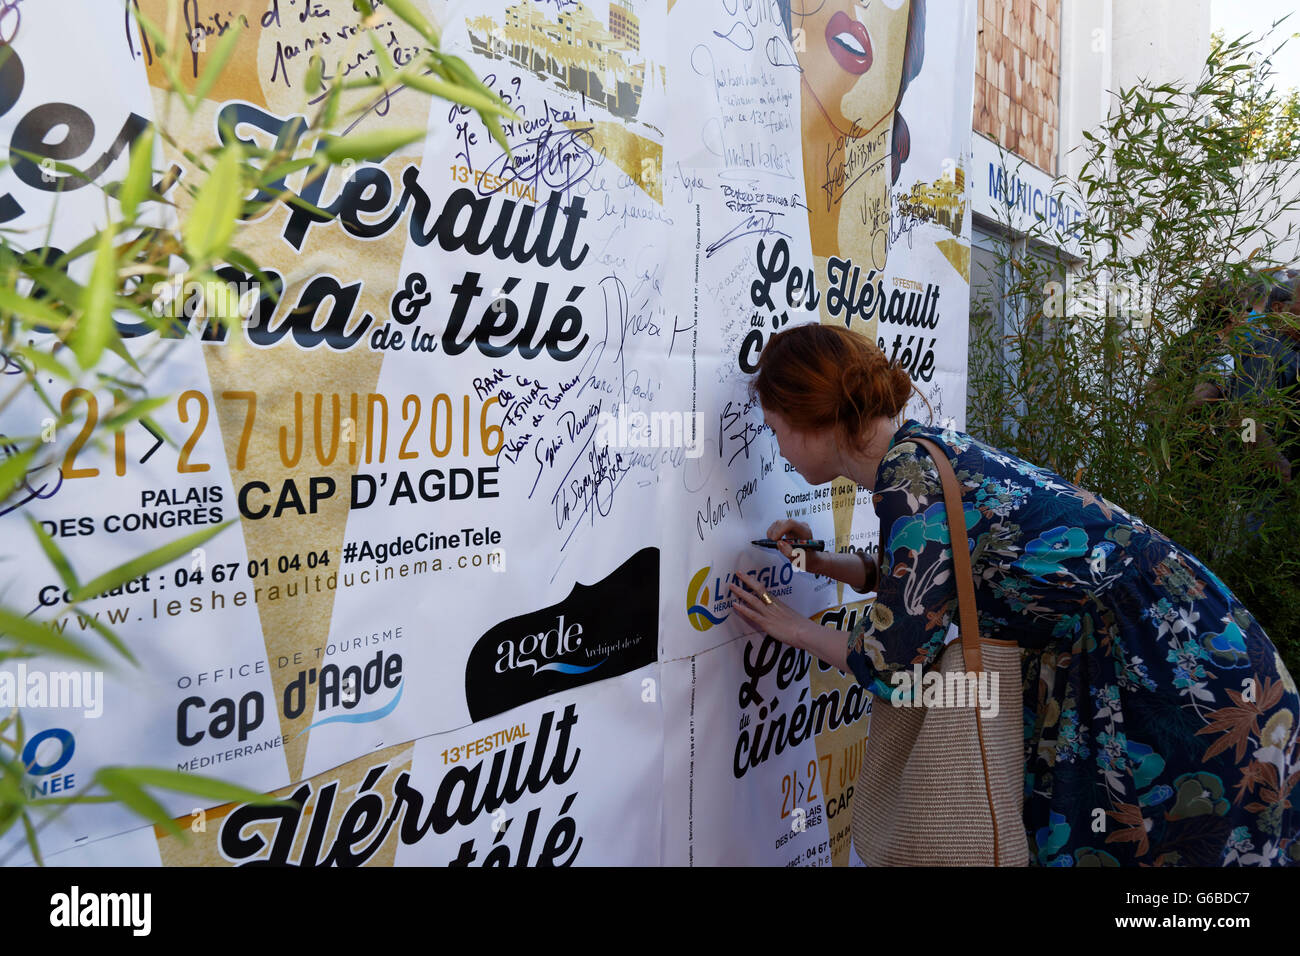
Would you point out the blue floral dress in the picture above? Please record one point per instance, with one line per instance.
(1160, 723)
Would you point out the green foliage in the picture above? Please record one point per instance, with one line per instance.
(125, 261)
(1097, 378)
(1271, 116)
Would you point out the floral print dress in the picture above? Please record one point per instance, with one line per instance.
(1160, 722)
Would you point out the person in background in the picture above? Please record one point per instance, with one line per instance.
(1253, 357)
(1283, 310)
(1216, 304)
(1284, 306)
(1196, 361)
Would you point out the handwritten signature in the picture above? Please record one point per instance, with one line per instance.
(743, 433)
(11, 19)
(761, 222)
(8, 450)
(555, 158)
(10, 365)
(591, 491)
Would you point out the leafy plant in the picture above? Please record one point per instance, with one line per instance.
(1099, 366)
(53, 325)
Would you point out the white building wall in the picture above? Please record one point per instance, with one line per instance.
(1107, 45)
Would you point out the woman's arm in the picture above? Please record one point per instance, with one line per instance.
(857, 569)
(824, 642)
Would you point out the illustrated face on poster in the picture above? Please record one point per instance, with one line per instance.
(857, 62)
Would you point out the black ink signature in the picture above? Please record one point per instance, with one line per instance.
(762, 222)
(745, 40)
(553, 158)
(9, 450)
(744, 432)
(604, 472)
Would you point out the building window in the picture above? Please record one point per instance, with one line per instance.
(1000, 325)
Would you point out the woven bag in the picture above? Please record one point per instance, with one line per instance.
(944, 786)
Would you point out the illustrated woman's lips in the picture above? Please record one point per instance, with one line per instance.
(849, 43)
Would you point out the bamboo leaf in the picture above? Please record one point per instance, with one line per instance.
(211, 223)
(50, 163)
(147, 562)
(91, 333)
(297, 201)
(28, 632)
(134, 798)
(116, 346)
(161, 44)
(279, 171)
(330, 111)
(139, 174)
(314, 81)
(134, 410)
(57, 557)
(106, 633)
(44, 362)
(407, 11)
(29, 833)
(474, 99)
(13, 469)
(383, 59)
(220, 56)
(199, 785)
(493, 123)
(370, 146)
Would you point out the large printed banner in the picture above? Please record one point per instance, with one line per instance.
(491, 455)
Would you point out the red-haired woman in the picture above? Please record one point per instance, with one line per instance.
(1151, 694)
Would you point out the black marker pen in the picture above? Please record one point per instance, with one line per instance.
(810, 545)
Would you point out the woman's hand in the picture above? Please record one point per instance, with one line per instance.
(813, 561)
(777, 619)
(846, 567)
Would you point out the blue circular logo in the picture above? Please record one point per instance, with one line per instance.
(66, 747)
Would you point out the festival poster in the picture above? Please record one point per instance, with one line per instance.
(427, 532)
(764, 743)
(823, 174)
(778, 190)
(529, 788)
(106, 505)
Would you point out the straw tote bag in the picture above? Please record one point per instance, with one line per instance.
(944, 785)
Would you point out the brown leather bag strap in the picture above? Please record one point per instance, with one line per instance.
(968, 618)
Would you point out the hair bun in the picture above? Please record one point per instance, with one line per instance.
(824, 376)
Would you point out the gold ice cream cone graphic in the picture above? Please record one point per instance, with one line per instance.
(268, 72)
(304, 836)
(839, 756)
